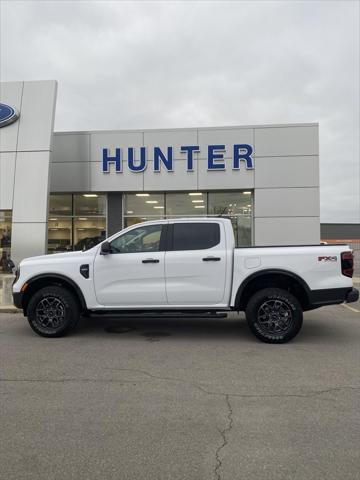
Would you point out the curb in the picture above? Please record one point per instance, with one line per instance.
(9, 309)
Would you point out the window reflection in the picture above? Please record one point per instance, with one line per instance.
(89, 204)
(183, 204)
(60, 205)
(88, 232)
(142, 239)
(229, 203)
(5, 240)
(242, 230)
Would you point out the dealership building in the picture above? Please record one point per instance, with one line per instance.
(61, 191)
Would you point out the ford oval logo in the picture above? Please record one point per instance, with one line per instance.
(7, 115)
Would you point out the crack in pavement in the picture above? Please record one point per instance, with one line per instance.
(227, 395)
(241, 395)
(186, 382)
(224, 435)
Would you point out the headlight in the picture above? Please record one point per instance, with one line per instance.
(17, 275)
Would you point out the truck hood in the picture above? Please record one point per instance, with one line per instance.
(53, 257)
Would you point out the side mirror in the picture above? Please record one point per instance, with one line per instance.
(105, 248)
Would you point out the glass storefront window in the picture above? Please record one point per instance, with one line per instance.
(144, 204)
(76, 222)
(60, 205)
(230, 203)
(89, 204)
(88, 232)
(186, 204)
(141, 207)
(5, 240)
(59, 235)
(237, 206)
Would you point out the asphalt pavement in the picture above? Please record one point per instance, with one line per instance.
(181, 399)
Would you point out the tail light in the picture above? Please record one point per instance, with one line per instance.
(347, 264)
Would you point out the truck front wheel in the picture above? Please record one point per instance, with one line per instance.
(53, 311)
(274, 315)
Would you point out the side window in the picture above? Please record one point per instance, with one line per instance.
(141, 239)
(196, 236)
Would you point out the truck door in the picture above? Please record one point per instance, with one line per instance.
(132, 275)
(195, 263)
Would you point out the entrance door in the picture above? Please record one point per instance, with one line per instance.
(132, 275)
(195, 267)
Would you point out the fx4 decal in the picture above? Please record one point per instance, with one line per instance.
(327, 259)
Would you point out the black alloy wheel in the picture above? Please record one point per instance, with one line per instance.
(274, 315)
(53, 311)
(50, 313)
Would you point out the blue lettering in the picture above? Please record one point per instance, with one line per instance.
(160, 157)
(213, 156)
(243, 152)
(216, 161)
(107, 160)
(190, 157)
(131, 160)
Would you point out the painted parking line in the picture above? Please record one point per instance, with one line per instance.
(350, 308)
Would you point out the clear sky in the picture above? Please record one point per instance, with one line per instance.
(145, 64)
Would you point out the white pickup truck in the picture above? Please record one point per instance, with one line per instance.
(184, 266)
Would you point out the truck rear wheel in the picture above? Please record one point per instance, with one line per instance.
(274, 315)
(53, 311)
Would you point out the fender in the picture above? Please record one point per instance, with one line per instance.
(65, 279)
(270, 271)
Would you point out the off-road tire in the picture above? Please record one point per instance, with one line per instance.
(274, 315)
(53, 311)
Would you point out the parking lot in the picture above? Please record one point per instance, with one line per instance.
(181, 399)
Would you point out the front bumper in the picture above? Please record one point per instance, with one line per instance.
(352, 296)
(17, 299)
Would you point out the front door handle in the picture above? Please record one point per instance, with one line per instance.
(151, 260)
(211, 259)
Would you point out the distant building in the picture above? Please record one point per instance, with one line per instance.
(341, 233)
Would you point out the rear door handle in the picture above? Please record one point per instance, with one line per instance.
(211, 259)
(151, 260)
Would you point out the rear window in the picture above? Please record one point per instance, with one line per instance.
(196, 236)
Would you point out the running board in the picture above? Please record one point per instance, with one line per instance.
(178, 315)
